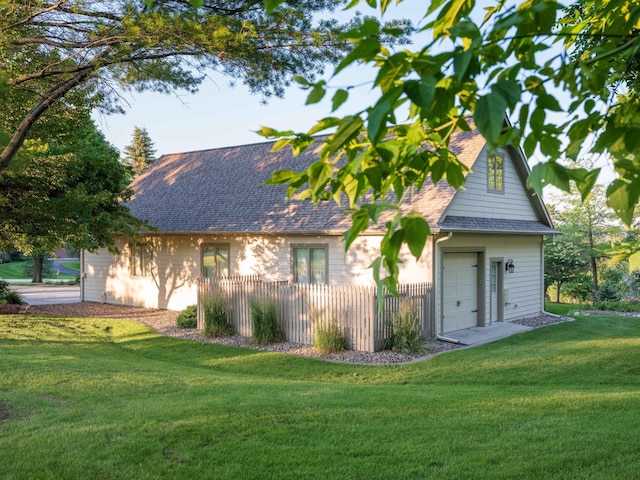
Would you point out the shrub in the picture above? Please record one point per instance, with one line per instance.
(264, 321)
(9, 296)
(329, 337)
(216, 317)
(188, 318)
(618, 306)
(406, 337)
(608, 292)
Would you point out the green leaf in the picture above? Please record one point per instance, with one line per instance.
(548, 102)
(461, 61)
(489, 116)
(416, 232)
(421, 92)
(391, 69)
(301, 80)
(623, 197)
(317, 93)
(585, 180)
(455, 176)
(349, 129)
(376, 209)
(280, 144)
(325, 123)
(369, 28)
(338, 99)
(365, 50)
(450, 14)
(269, 5)
(319, 174)
(509, 90)
(281, 176)
(267, 132)
(549, 173)
(359, 223)
(378, 115)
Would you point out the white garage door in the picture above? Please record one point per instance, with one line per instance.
(460, 295)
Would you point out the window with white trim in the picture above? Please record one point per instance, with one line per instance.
(215, 261)
(310, 264)
(495, 168)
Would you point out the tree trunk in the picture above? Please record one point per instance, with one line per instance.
(38, 261)
(558, 285)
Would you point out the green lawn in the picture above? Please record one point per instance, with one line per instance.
(75, 265)
(95, 398)
(15, 271)
(12, 271)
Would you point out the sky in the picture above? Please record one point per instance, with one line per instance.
(220, 115)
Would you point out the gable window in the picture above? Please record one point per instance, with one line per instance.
(215, 261)
(310, 264)
(496, 173)
(140, 260)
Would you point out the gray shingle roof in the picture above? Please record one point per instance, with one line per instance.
(494, 225)
(222, 191)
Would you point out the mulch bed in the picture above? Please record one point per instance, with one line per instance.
(9, 309)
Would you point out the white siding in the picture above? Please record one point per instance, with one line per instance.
(177, 264)
(476, 200)
(524, 286)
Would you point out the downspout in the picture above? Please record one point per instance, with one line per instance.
(82, 275)
(542, 267)
(441, 293)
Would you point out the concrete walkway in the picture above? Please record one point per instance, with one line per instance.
(480, 335)
(48, 294)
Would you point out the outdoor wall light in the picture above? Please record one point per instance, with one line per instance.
(509, 266)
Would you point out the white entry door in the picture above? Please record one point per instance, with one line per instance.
(460, 291)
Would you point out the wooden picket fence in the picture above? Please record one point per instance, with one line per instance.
(355, 309)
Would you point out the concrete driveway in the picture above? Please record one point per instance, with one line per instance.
(48, 294)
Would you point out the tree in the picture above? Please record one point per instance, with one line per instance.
(140, 153)
(516, 62)
(564, 261)
(592, 229)
(71, 192)
(51, 48)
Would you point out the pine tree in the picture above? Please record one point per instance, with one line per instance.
(140, 153)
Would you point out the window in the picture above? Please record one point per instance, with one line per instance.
(140, 260)
(496, 173)
(215, 261)
(310, 265)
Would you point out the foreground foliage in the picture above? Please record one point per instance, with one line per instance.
(50, 49)
(7, 295)
(565, 74)
(111, 399)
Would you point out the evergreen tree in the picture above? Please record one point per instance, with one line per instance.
(140, 153)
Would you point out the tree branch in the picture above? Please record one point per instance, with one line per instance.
(49, 98)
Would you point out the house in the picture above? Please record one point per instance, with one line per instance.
(215, 217)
